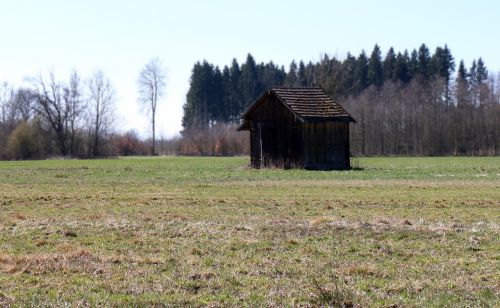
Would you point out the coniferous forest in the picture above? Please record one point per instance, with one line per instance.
(405, 102)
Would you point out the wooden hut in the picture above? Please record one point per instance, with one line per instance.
(298, 128)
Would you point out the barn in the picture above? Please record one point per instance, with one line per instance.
(298, 128)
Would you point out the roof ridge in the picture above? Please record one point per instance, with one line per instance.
(296, 88)
(306, 103)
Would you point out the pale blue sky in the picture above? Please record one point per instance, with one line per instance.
(119, 37)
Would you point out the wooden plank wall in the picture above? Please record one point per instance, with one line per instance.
(326, 145)
(277, 139)
(276, 128)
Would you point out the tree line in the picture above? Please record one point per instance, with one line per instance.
(405, 103)
(56, 117)
(74, 117)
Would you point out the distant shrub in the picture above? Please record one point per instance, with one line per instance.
(26, 142)
(129, 144)
(218, 140)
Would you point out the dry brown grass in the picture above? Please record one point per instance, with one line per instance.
(210, 232)
(75, 261)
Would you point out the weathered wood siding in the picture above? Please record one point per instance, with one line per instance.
(275, 136)
(326, 145)
(293, 132)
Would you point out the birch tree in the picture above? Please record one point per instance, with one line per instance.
(151, 85)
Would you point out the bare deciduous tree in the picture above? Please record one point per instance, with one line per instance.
(74, 107)
(415, 120)
(59, 106)
(101, 110)
(24, 100)
(5, 102)
(151, 85)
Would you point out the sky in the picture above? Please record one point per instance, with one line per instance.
(120, 37)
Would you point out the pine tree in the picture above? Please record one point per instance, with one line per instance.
(349, 75)
(361, 72)
(270, 75)
(311, 74)
(375, 72)
(279, 76)
(473, 72)
(462, 72)
(461, 82)
(329, 75)
(389, 65)
(424, 62)
(301, 75)
(191, 110)
(249, 82)
(291, 76)
(473, 85)
(443, 66)
(236, 99)
(449, 63)
(204, 97)
(226, 92)
(481, 72)
(435, 65)
(217, 110)
(413, 64)
(481, 78)
(462, 118)
(401, 68)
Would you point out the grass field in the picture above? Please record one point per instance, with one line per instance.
(210, 231)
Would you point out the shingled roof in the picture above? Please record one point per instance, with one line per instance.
(308, 104)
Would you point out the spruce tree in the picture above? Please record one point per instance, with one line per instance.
(413, 64)
(311, 74)
(462, 71)
(401, 69)
(348, 75)
(390, 65)
(226, 92)
(442, 63)
(206, 99)
(301, 75)
(249, 82)
(473, 70)
(481, 78)
(449, 63)
(462, 96)
(361, 72)
(279, 76)
(435, 65)
(481, 72)
(236, 99)
(473, 75)
(424, 62)
(191, 107)
(443, 66)
(217, 111)
(291, 76)
(461, 83)
(375, 72)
